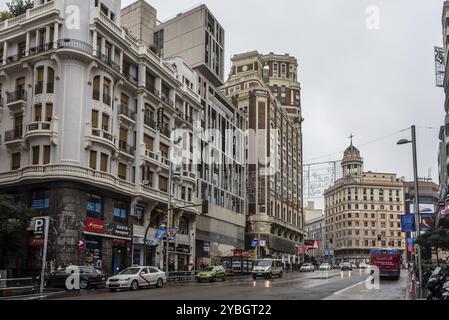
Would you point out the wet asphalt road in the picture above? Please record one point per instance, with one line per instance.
(318, 285)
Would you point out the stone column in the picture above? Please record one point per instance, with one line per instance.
(27, 44)
(55, 35)
(47, 34)
(94, 42)
(5, 52)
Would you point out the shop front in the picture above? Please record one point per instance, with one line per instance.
(106, 246)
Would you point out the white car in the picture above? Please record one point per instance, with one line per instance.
(134, 278)
(307, 267)
(363, 265)
(325, 266)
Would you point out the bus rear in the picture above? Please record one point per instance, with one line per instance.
(387, 261)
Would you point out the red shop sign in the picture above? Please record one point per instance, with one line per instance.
(36, 242)
(93, 225)
(119, 243)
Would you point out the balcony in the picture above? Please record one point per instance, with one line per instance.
(167, 100)
(12, 59)
(13, 137)
(156, 158)
(150, 122)
(131, 78)
(188, 176)
(152, 89)
(127, 149)
(126, 113)
(42, 48)
(68, 172)
(165, 131)
(16, 100)
(38, 129)
(104, 137)
(108, 61)
(77, 45)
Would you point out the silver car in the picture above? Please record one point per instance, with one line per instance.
(325, 266)
(134, 278)
(307, 267)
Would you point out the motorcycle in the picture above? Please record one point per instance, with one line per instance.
(434, 286)
(445, 290)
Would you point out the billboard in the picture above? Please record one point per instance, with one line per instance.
(408, 223)
(428, 216)
(439, 66)
(311, 244)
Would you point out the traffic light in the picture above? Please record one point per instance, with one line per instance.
(205, 207)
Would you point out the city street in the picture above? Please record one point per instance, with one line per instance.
(333, 285)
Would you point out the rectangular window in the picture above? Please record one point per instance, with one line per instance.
(105, 122)
(148, 142)
(122, 171)
(164, 150)
(94, 119)
(163, 184)
(47, 150)
(120, 212)
(15, 162)
(93, 160)
(48, 112)
(37, 112)
(35, 154)
(104, 162)
(94, 206)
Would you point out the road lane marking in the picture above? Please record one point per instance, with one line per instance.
(349, 288)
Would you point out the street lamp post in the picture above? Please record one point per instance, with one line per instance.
(416, 202)
(170, 188)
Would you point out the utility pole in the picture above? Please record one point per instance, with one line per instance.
(167, 250)
(44, 254)
(417, 214)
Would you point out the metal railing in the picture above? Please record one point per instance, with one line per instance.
(131, 78)
(41, 48)
(127, 148)
(75, 44)
(16, 286)
(167, 100)
(150, 87)
(19, 95)
(14, 134)
(124, 110)
(149, 122)
(102, 134)
(39, 125)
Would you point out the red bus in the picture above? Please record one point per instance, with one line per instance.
(388, 262)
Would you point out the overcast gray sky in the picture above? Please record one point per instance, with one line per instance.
(370, 83)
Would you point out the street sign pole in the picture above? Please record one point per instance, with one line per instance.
(44, 255)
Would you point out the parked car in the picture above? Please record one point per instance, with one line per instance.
(307, 267)
(346, 266)
(137, 277)
(211, 274)
(89, 277)
(268, 268)
(354, 266)
(363, 265)
(325, 266)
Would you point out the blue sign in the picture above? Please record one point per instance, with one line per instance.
(138, 212)
(408, 223)
(160, 233)
(40, 204)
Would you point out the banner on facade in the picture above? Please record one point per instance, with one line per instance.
(410, 244)
(408, 223)
(440, 68)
